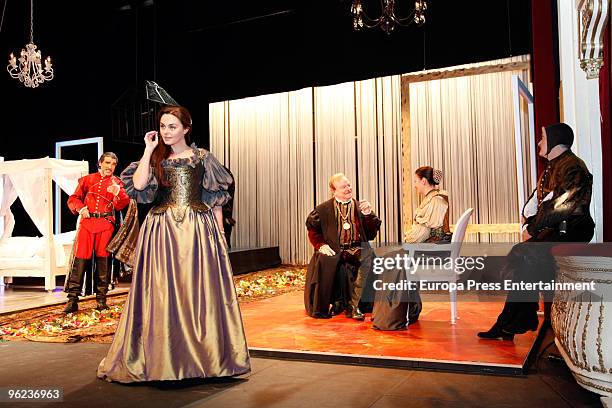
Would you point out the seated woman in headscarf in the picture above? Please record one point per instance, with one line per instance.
(430, 225)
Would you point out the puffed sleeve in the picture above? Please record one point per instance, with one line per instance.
(315, 233)
(431, 216)
(216, 181)
(145, 196)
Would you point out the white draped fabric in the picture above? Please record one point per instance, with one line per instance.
(283, 148)
(27, 179)
(2, 216)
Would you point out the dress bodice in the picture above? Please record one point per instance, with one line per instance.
(184, 190)
(198, 182)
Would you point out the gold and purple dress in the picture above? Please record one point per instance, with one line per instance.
(181, 318)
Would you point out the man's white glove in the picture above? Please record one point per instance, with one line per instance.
(326, 250)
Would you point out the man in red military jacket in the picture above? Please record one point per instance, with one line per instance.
(95, 199)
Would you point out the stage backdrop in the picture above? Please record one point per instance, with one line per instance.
(283, 147)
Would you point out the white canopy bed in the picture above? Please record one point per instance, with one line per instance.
(31, 182)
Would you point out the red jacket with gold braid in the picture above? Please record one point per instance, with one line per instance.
(92, 192)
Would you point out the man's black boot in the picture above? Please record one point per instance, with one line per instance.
(75, 284)
(102, 274)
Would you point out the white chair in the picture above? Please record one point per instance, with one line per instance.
(437, 273)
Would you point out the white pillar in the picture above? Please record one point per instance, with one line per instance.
(580, 106)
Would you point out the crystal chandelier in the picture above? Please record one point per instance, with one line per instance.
(388, 20)
(29, 70)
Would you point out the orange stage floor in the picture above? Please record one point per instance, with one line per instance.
(279, 327)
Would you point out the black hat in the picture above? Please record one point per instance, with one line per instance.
(558, 134)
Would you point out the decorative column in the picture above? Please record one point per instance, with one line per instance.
(581, 27)
(592, 19)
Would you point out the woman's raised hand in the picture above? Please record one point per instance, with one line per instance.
(151, 140)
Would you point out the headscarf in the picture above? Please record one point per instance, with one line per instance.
(559, 134)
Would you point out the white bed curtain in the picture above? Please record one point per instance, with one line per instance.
(9, 195)
(26, 179)
(2, 216)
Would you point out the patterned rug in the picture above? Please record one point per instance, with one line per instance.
(50, 324)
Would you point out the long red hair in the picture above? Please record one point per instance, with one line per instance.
(162, 151)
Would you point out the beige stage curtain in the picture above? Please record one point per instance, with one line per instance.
(465, 127)
(379, 149)
(266, 142)
(283, 148)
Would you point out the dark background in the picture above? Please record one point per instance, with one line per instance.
(205, 51)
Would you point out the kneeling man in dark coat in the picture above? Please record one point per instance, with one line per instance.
(339, 230)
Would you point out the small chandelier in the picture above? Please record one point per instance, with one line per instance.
(29, 70)
(388, 20)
